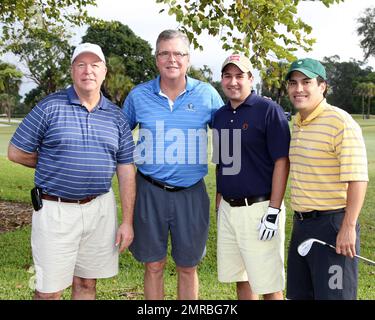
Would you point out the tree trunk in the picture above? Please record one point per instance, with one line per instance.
(8, 107)
(368, 108)
(363, 107)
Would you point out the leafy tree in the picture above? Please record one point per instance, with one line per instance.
(276, 89)
(342, 79)
(118, 39)
(10, 80)
(367, 31)
(219, 89)
(20, 110)
(18, 15)
(266, 31)
(258, 28)
(35, 31)
(203, 74)
(46, 53)
(33, 97)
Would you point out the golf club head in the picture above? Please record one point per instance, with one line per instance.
(304, 248)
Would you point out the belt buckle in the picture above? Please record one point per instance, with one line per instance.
(299, 215)
(231, 202)
(166, 187)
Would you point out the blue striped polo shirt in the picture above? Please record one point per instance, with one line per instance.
(77, 150)
(172, 142)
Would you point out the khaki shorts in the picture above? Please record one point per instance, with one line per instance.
(241, 256)
(70, 239)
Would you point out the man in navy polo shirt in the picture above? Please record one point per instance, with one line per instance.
(172, 112)
(251, 141)
(76, 139)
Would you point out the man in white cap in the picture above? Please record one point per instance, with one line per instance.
(253, 133)
(76, 139)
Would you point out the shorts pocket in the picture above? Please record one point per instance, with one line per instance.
(336, 220)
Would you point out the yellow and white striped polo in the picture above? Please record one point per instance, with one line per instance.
(327, 151)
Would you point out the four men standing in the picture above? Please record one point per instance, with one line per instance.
(76, 139)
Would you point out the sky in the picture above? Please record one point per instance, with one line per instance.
(334, 29)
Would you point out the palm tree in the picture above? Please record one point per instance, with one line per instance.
(117, 84)
(370, 95)
(361, 90)
(10, 81)
(365, 90)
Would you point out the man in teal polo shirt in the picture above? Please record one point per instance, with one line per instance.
(172, 112)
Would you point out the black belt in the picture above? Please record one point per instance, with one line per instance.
(161, 185)
(246, 201)
(315, 213)
(55, 198)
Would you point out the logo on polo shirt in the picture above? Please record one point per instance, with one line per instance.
(190, 107)
(245, 126)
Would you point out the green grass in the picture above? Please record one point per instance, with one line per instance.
(15, 258)
(5, 135)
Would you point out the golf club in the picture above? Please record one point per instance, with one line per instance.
(304, 248)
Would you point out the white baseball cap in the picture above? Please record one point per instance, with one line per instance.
(88, 47)
(238, 60)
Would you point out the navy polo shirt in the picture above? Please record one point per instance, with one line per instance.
(264, 137)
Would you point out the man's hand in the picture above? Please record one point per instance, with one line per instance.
(269, 224)
(345, 241)
(124, 237)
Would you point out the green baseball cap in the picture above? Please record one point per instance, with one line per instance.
(309, 67)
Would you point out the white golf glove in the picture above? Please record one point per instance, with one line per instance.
(269, 224)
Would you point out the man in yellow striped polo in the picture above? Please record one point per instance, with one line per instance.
(328, 171)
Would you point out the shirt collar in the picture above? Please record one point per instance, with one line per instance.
(317, 111)
(189, 84)
(248, 102)
(74, 99)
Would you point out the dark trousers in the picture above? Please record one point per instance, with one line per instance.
(321, 274)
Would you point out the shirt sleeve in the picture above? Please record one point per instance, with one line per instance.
(277, 132)
(128, 109)
(216, 104)
(31, 131)
(126, 143)
(351, 152)
(215, 144)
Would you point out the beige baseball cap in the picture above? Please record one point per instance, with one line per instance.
(238, 60)
(88, 47)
